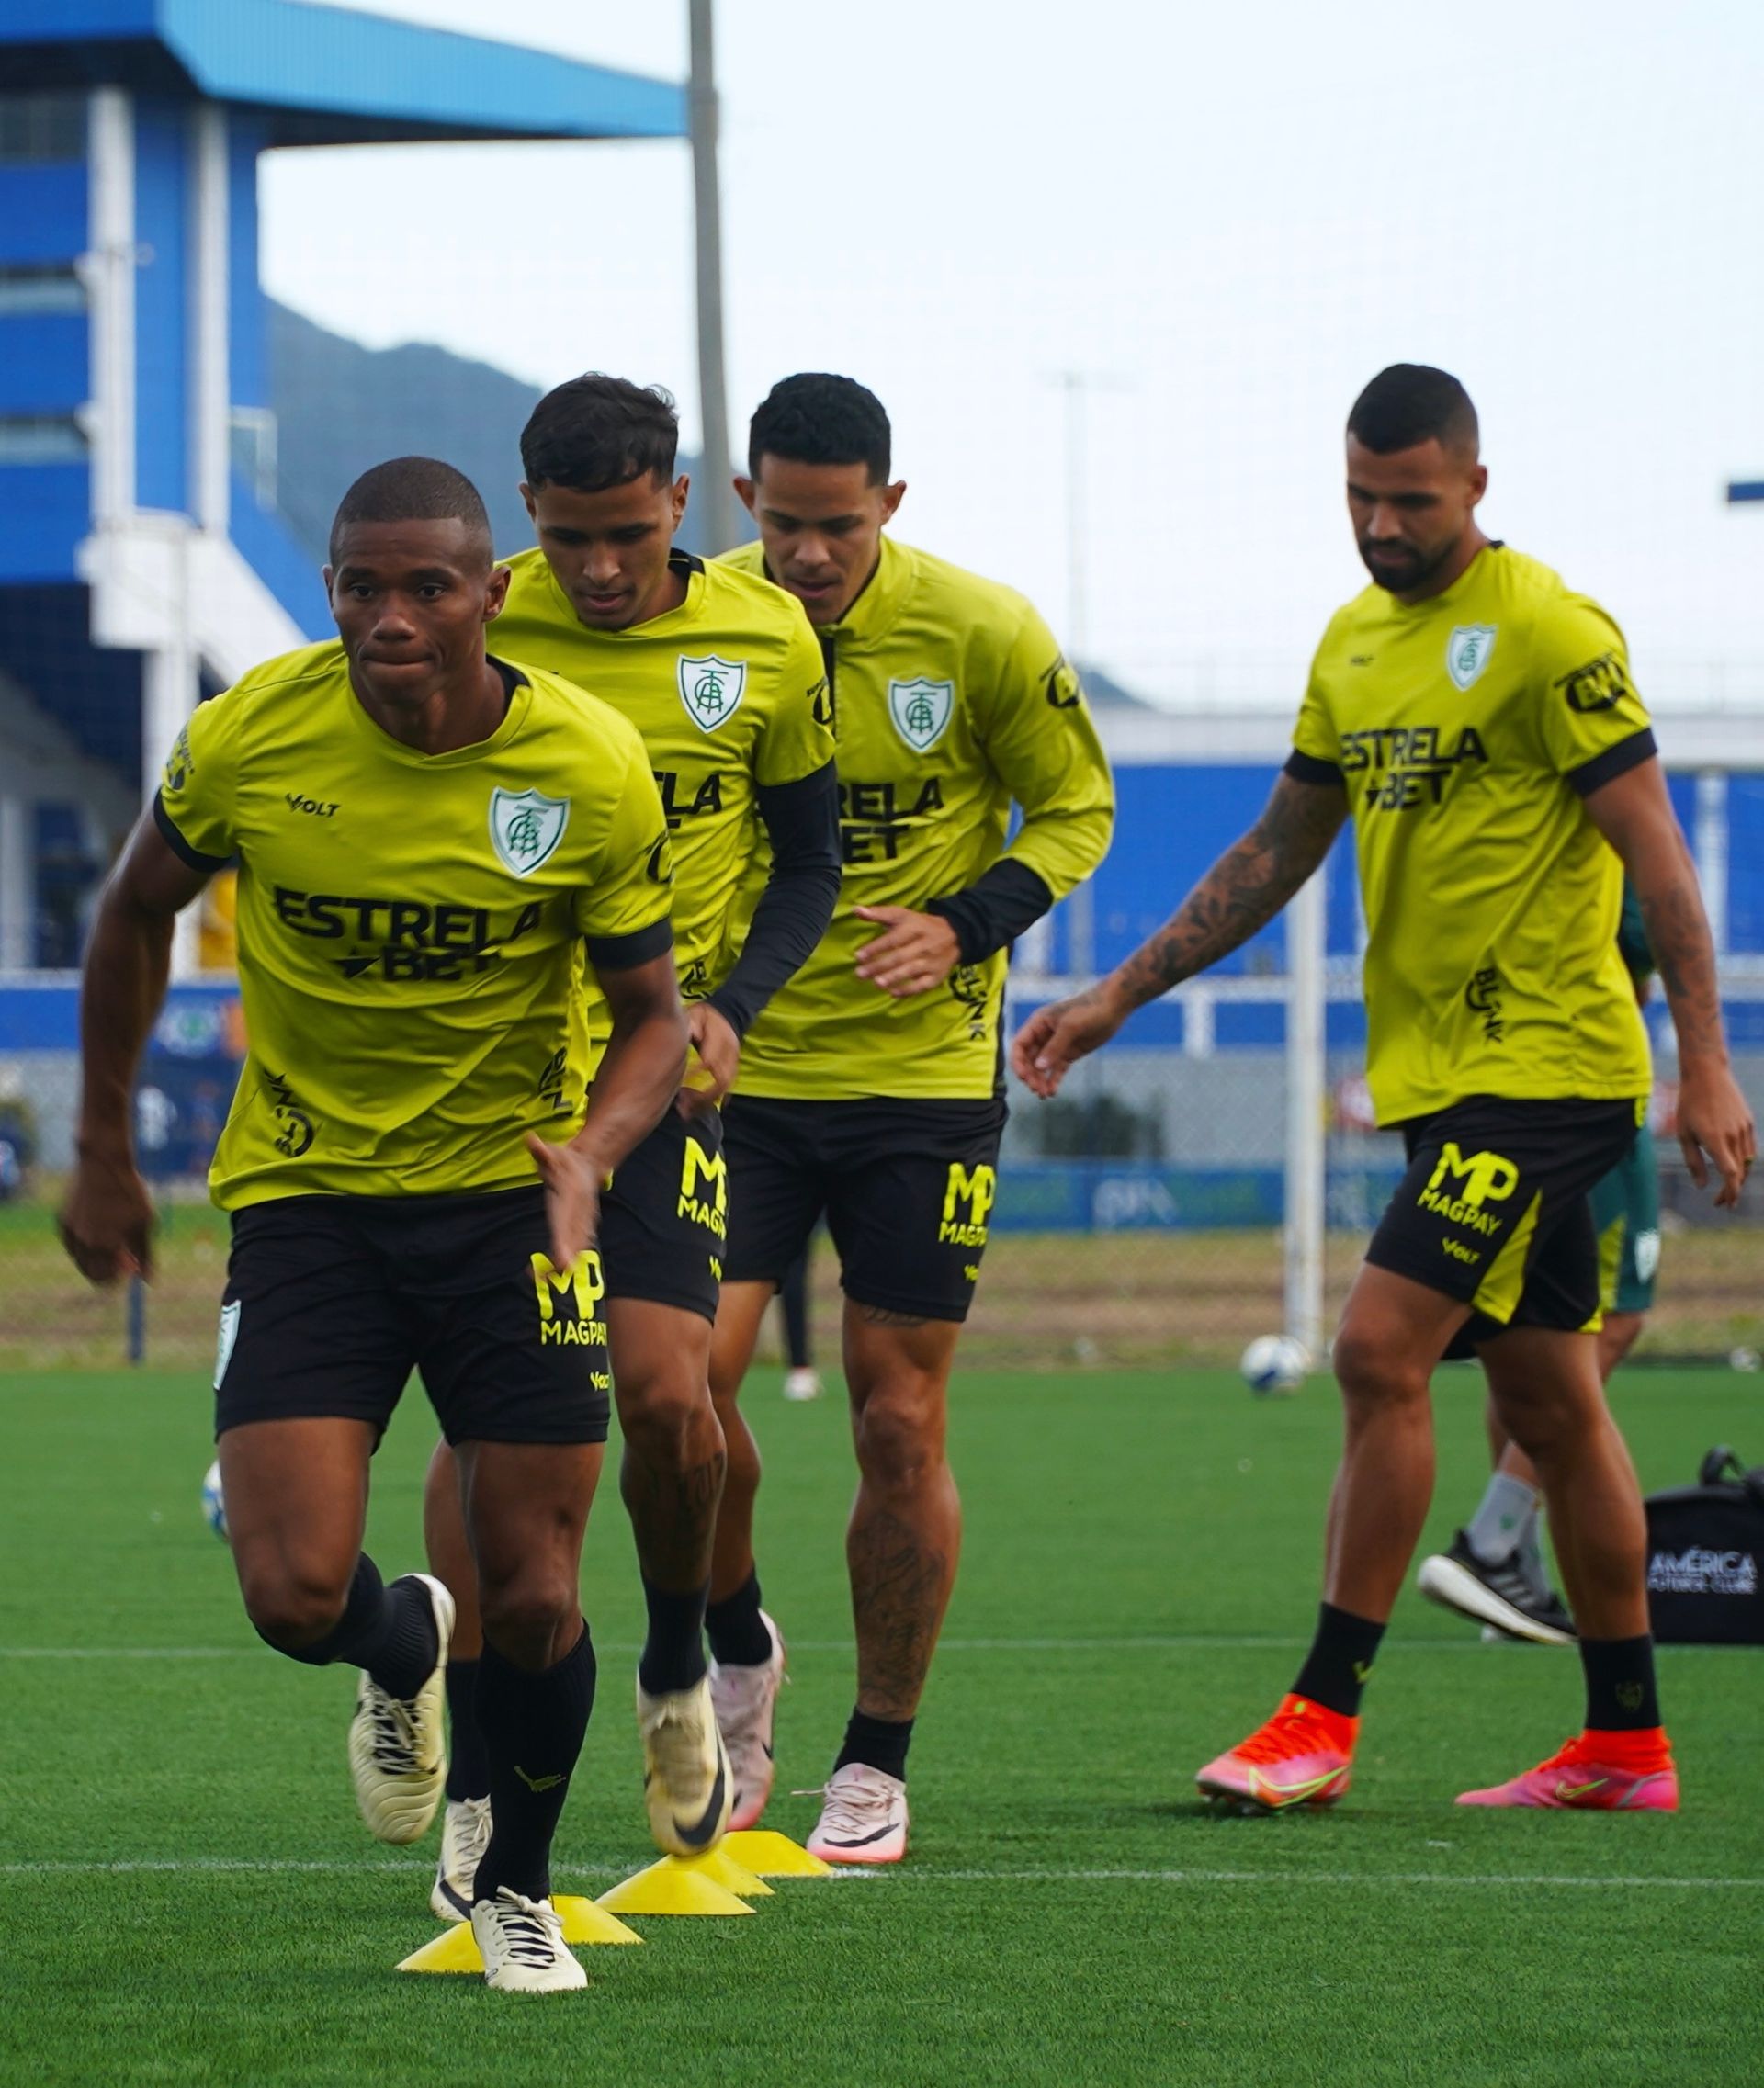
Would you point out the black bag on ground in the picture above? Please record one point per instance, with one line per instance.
(1705, 1556)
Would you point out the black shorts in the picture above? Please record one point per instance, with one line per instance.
(1494, 1210)
(664, 1215)
(333, 1301)
(907, 1189)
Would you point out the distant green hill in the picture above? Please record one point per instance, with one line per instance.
(341, 407)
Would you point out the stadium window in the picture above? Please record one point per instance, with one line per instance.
(27, 288)
(46, 126)
(40, 438)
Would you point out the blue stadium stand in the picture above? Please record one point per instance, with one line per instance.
(141, 564)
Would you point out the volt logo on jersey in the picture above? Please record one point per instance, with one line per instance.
(921, 710)
(711, 689)
(526, 826)
(1468, 651)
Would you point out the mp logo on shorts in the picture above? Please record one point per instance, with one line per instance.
(526, 826)
(1468, 651)
(1644, 1250)
(703, 1188)
(968, 1197)
(569, 1301)
(711, 689)
(1459, 1188)
(920, 709)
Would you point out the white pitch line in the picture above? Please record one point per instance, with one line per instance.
(921, 1873)
(1197, 1641)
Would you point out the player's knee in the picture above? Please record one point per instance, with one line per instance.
(900, 1436)
(528, 1615)
(291, 1609)
(661, 1416)
(1373, 1369)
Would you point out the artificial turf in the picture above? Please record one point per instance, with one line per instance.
(188, 1895)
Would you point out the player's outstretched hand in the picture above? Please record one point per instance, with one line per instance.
(1716, 1119)
(107, 1222)
(718, 1052)
(571, 1197)
(1057, 1035)
(913, 953)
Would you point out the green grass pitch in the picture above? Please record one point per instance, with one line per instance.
(189, 1899)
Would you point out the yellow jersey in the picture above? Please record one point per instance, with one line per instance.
(951, 700)
(411, 926)
(1466, 730)
(729, 694)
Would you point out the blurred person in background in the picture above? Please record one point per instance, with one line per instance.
(1493, 1571)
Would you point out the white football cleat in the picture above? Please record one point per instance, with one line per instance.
(864, 1818)
(802, 1385)
(398, 1752)
(465, 1835)
(746, 1702)
(520, 1942)
(686, 1784)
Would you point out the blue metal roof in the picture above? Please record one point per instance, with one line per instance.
(326, 76)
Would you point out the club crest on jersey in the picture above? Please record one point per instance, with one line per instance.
(526, 826)
(711, 689)
(1468, 651)
(921, 710)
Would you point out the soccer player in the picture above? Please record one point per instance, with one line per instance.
(1493, 1571)
(801, 1380)
(721, 676)
(1476, 721)
(427, 836)
(870, 1088)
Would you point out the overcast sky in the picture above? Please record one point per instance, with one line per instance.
(1228, 219)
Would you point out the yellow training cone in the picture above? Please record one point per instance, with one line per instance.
(584, 1921)
(672, 1887)
(723, 1869)
(768, 1853)
(454, 1950)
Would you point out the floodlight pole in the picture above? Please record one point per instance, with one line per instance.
(715, 499)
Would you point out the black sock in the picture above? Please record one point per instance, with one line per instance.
(1340, 1659)
(1621, 1695)
(673, 1653)
(533, 1727)
(877, 1742)
(467, 1765)
(738, 1637)
(388, 1630)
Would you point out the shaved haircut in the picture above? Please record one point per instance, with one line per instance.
(414, 489)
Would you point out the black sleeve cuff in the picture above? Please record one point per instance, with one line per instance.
(995, 909)
(1614, 762)
(801, 891)
(625, 953)
(179, 847)
(1309, 768)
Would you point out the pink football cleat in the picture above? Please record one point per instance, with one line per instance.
(1302, 1757)
(1583, 1778)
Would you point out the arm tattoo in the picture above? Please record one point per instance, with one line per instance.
(1678, 934)
(1243, 891)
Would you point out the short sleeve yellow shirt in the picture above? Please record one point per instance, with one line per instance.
(411, 927)
(1466, 730)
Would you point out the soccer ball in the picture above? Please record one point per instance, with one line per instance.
(214, 1502)
(1274, 1363)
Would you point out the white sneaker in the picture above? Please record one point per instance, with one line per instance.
(802, 1383)
(864, 1818)
(398, 1752)
(520, 1942)
(746, 1702)
(465, 1835)
(687, 1783)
